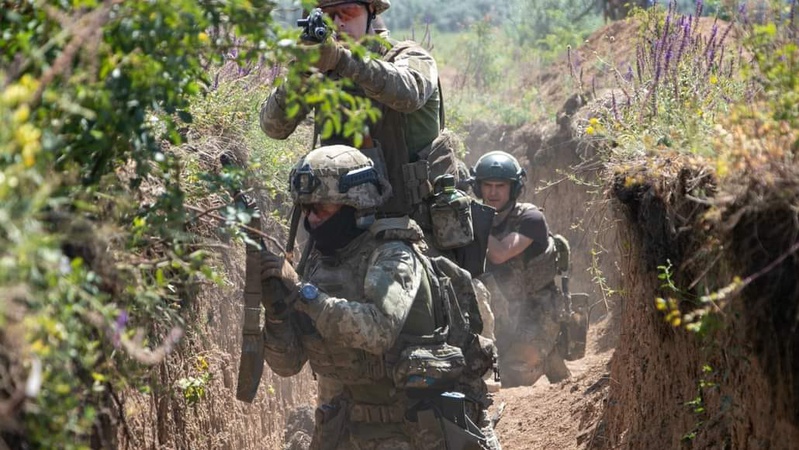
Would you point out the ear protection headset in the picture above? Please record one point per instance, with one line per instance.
(498, 166)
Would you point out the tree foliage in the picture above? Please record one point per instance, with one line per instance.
(96, 251)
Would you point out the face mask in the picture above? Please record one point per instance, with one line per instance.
(336, 232)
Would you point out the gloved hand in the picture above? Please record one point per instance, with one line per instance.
(274, 266)
(330, 54)
(277, 286)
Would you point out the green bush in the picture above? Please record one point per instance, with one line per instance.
(98, 259)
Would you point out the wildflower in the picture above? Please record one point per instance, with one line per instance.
(590, 130)
(714, 79)
(22, 114)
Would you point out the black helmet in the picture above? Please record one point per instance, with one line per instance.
(499, 166)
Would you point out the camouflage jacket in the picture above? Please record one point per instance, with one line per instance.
(403, 85)
(374, 290)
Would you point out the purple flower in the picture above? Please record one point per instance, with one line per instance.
(669, 55)
(119, 327)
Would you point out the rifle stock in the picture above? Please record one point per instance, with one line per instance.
(251, 363)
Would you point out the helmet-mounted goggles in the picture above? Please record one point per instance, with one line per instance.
(305, 182)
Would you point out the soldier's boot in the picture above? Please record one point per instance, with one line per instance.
(556, 369)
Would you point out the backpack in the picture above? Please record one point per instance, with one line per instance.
(456, 352)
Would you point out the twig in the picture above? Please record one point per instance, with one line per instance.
(246, 228)
(794, 248)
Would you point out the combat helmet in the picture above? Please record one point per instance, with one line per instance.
(339, 174)
(499, 165)
(378, 5)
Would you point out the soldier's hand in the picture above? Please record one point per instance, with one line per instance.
(330, 54)
(274, 266)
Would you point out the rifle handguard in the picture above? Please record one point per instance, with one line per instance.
(314, 28)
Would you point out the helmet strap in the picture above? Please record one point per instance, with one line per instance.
(371, 16)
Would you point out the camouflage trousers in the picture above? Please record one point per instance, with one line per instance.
(527, 335)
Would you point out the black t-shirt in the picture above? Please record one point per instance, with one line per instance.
(533, 225)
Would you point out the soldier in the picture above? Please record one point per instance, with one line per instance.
(520, 276)
(402, 82)
(364, 315)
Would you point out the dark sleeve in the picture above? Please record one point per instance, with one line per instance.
(533, 225)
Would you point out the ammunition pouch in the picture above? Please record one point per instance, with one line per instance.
(417, 183)
(434, 366)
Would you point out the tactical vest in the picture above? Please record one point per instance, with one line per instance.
(343, 276)
(402, 137)
(440, 334)
(520, 278)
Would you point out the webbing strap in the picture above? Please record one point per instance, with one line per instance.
(360, 412)
(417, 182)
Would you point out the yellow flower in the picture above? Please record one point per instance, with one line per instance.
(28, 138)
(27, 134)
(593, 121)
(590, 130)
(29, 82)
(203, 37)
(714, 79)
(22, 114)
(15, 94)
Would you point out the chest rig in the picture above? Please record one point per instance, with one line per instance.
(343, 276)
(522, 277)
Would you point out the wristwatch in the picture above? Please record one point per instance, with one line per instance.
(309, 293)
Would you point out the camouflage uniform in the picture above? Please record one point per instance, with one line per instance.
(527, 307)
(373, 292)
(403, 85)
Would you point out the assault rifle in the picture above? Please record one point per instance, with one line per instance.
(314, 28)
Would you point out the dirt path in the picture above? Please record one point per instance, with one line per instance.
(558, 416)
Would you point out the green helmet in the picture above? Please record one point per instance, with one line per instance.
(379, 5)
(499, 166)
(338, 174)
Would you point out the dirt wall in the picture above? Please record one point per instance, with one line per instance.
(734, 385)
(193, 400)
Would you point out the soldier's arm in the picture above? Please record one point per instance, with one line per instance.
(282, 349)
(273, 117)
(390, 287)
(404, 85)
(501, 250)
(532, 227)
